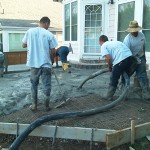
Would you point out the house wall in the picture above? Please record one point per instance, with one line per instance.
(5, 36)
(75, 44)
(112, 22)
(110, 25)
(78, 46)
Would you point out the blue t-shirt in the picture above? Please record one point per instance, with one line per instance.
(39, 43)
(117, 51)
(135, 44)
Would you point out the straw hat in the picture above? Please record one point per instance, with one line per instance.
(134, 27)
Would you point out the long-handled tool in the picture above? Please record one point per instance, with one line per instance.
(61, 91)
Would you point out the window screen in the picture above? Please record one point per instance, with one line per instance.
(74, 21)
(146, 23)
(125, 15)
(93, 24)
(15, 42)
(67, 22)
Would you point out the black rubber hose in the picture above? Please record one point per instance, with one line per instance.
(15, 145)
(93, 76)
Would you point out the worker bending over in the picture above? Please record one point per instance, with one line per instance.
(119, 59)
(62, 53)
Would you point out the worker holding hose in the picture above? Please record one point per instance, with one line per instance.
(135, 40)
(40, 45)
(119, 59)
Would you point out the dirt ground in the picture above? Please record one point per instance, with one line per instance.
(15, 100)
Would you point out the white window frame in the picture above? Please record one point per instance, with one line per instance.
(94, 2)
(6, 39)
(65, 3)
(137, 17)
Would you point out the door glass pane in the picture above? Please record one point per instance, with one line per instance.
(15, 42)
(67, 22)
(74, 21)
(125, 15)
(146, 23)
(93, 24)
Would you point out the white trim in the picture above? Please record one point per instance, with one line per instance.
(6, 39)
(65, 3)
(104, 28)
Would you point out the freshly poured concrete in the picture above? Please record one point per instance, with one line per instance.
(15, 88)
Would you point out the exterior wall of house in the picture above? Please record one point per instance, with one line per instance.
(6, 36)
(112, 22)
(109, 26)
(78, 46)
(75, 44)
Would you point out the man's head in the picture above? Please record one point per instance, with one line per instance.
(134, 28)
(103, 39)
(45, 22)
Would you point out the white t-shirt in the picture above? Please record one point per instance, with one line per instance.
(39, 43)
(117, 51)
(135, 44)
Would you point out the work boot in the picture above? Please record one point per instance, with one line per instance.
(47, 101)
(110, 93)
(146, 94)
(33, 107)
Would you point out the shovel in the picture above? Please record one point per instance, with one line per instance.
(60, 89)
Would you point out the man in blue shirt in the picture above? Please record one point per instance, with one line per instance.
(62, 53)
(40, 44)
(135, 40)
(118, 57)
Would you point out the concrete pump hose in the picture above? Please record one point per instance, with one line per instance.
(93, 76)
(15, 145)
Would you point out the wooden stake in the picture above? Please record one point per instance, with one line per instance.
(132, 132)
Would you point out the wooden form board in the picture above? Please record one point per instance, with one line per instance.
(75, 133)
(124, 136)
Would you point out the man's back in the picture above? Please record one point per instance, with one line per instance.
(39, 42)
(117, 50)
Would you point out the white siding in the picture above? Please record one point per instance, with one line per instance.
(75, 55)
(112, 22)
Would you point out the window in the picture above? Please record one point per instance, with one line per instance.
(15, 42)
(93, 25)
(146, 23)
(74, 21)
(1, 43)
(71, 21)
(67, 22)
(125, 15)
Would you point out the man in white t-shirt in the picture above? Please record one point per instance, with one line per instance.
(118, 57)
(135, 41)
(40, 45)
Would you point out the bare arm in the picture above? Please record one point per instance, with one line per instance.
(109, 61)
(24, 45)
(53, 54)
(56, 60)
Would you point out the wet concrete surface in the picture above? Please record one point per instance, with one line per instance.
(15, 99)
(15, 88)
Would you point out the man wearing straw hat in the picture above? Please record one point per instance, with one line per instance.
(135, 41)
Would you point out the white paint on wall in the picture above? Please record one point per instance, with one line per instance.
(75, 55)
